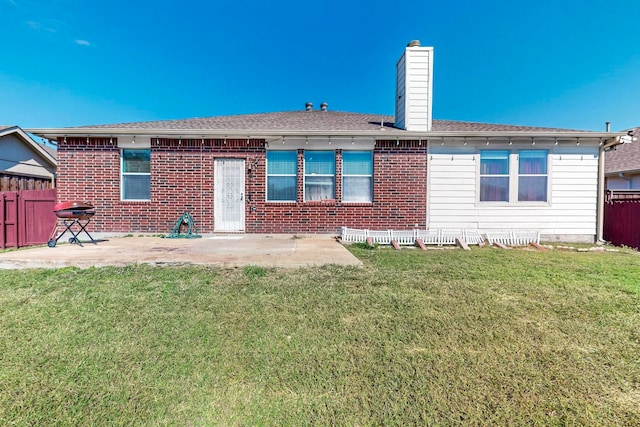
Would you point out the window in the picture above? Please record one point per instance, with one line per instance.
(494, 176)
(525, 179)
(282, 176)
(319, 175)
(136, 175)
(357, 176)
(532, 176)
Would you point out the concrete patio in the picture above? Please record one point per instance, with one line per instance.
(277, 250)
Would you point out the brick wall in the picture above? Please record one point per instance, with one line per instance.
(182, 179)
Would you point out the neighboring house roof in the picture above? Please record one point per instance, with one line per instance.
(309, 122)
(47, 153)
(52, 151)
(625, 157)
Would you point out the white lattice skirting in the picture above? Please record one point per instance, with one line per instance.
(513, 238)
(438, 237)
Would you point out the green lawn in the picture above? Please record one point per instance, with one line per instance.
(443, 337)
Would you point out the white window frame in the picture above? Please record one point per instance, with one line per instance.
(513, 176)
(124, 174)
(333, 176)
(268, 175)
(346, 175)
(533, 175)
(507, 176)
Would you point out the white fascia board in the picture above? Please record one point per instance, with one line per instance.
(385, 133)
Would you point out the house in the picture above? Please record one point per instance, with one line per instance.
(24, 164)
(622, 165)
(316, 170)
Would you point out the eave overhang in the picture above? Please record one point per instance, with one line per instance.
(382, 134)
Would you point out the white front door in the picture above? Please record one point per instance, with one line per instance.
(229, 195)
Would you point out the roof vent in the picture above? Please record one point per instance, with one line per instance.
(308, 106)
(414, 43)
(324, 106)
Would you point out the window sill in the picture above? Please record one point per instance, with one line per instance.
(321, 202)
(513, 204)
(357, 203)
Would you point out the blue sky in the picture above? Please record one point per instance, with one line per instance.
(561, 63)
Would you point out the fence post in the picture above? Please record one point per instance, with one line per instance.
(20, 216)
(2, 225)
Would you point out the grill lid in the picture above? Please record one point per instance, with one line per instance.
(75, 205)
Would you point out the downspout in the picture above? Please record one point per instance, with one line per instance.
(427, 189)
(600, 208)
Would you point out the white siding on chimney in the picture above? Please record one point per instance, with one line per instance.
(400, 93)
(414, 83)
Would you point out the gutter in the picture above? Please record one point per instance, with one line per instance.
(382, 133)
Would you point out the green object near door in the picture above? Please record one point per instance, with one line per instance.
(187, 221)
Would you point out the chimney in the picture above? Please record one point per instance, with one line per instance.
(414, 88)
(324, 106)
(308, 106)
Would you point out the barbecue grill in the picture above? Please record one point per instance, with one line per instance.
(72, 215)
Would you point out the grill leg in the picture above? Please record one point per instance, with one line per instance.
(60, 223)
(74, 236)
(83, 228)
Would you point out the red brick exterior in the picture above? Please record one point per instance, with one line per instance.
(182, 179)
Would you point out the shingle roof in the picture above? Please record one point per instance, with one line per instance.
(455, 126)
(310, 121)
(53, 152)
(624, 158)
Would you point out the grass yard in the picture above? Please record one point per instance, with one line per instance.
(446, 337)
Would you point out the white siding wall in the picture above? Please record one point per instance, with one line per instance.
(453, 186)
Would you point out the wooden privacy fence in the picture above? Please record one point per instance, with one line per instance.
(18, 183)
(26, 217)
(622, 222)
